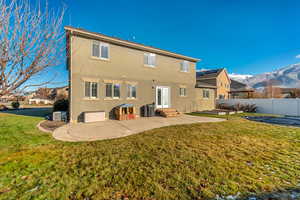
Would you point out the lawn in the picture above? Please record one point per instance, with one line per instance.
(197, 161)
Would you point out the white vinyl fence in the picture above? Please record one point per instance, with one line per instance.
(271, 106)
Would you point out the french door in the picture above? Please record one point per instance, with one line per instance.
(163, 97)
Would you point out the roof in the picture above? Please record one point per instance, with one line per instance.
(236, 84)
(205, 85)
(121, 42)
(209, 73)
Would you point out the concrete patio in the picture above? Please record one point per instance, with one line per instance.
(115, 129)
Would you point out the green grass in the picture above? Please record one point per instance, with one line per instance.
(195, 161)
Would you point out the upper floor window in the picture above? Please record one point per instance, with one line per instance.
(100, 50)
(149, 59)
(131, 91)
(112, 90)
(90, 89)
(205, 93)
(182, 92)
(184, 67)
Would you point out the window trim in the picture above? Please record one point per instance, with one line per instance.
(182, 69)
(204, 96)
(184, 93)
(91, 90)
(112, 91)
(100, 45)
(148, 54)
(130, 91)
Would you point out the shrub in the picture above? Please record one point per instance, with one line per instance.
(15, 104)
(238, 107)
(3, 108)
(61, 105)
(224, 106)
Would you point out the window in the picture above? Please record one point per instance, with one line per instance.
(182, 92)
(206, 94)
(100, 50)
(184, 67)
(149, 59)
(90, 89)
(131, 91)
(112, 90)
(221, 96)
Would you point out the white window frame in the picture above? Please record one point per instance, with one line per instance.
(205, 96)
(112, 91)
(149, 55)
(130, 91)
(100, 50)
(91, 90)
(185, 66)
(184, 92)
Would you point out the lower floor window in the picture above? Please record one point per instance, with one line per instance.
(131, 91)
(182, 92)
(112, 90)
(205, 93)
(91, 89)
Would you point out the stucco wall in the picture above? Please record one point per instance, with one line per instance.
(223, 85)
(124, 65)
(205, 103)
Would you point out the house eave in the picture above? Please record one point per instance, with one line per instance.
(117, 41)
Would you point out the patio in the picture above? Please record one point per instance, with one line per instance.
(115, 129)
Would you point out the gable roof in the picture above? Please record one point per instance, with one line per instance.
(126, 43)
(209, 73)
(236, 84)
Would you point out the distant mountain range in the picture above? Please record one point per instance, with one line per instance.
(286, 77)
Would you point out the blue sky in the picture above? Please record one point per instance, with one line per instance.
(246, 37)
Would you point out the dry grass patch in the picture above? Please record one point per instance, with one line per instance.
(195, 161)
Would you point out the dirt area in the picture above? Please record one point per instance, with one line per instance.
(287, 121)
(51, 125)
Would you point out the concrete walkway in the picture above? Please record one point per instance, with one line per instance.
(115, 129)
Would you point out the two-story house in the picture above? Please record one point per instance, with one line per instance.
(217, 78)
(105, 72)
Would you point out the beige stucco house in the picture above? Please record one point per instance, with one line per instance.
(217, 78)
(105, 72)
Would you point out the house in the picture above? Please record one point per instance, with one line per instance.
(240, 90)
(218, 78)
(105, 72)
(59, 93)
(39, 100)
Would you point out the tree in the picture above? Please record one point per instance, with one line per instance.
(31, 41)
(43, 93)
(295, 93)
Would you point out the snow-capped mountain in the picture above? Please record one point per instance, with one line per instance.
(239, 77)
(287, 77)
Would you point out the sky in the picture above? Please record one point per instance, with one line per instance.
(245, 37)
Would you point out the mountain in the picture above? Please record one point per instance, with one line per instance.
(240, 77)
(286, 77)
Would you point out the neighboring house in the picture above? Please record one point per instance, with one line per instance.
(106, 72)
(240, 90)
(60, 93)
(39, 100)
(218, 78)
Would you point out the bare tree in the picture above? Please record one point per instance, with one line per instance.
(31, 41)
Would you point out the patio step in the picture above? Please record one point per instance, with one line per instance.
(168, 112)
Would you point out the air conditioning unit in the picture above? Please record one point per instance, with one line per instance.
(59, 116)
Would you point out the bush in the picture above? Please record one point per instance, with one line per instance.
(15, 104)
(61, 105)
(3, 108)
(238, 107)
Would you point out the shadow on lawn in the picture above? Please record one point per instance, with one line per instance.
(32, 112)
